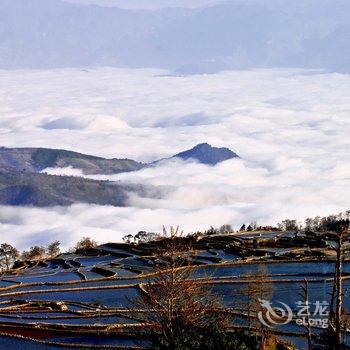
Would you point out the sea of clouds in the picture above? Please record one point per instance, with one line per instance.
(290, 128)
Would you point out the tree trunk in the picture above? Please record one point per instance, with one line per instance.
(339, 292)
(308, 326)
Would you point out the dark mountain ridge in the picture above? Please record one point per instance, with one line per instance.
(37, 159)
(207, 154)
(23, 182)
(43, 190)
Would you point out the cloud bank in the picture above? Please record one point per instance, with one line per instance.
(289, 127)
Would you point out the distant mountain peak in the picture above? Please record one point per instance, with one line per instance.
(207, 154)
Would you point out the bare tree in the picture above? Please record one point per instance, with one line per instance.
(336, 321)
(53, 249)
(128, 239)
(305, 296)
(341, 229)
(34, 253)
(177, 311)
(256, 290)
(288, 225)
(85, 243)
(8, 255)
(224, 229)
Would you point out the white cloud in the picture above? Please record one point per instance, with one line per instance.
(69, 171)
(290, 129)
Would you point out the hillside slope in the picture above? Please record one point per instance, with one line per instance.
(37, 159)
(23, 182)
(42, 190)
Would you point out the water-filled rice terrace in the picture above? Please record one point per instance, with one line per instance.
(84, 301)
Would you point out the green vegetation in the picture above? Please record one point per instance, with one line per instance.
(32, 160)
(46, 190)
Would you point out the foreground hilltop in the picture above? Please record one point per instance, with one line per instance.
(87, 298)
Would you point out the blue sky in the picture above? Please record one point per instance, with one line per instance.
(149, 4)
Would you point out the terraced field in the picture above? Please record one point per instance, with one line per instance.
(83, 301)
